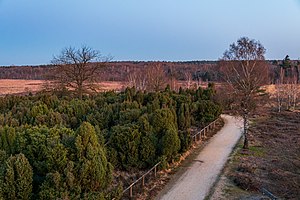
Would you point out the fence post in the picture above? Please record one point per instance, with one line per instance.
(155, 170)
(143, 181)
(130, 191)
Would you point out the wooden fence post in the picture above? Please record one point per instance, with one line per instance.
(143, 181)
(130, 192)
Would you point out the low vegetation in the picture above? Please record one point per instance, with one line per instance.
(272, 161)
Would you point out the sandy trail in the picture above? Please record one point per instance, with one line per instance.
(196, 182)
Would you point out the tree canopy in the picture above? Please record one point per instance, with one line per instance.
(67, 148)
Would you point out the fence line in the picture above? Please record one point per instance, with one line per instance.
(141, 178)
(198, 136)
(202, 133)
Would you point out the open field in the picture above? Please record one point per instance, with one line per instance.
(17, 86)
(22, 86)
(14, 86)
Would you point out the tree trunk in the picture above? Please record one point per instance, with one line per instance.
(80, 91)
(246, 128)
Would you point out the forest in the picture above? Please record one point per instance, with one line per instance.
(60, 147)
(120, 71)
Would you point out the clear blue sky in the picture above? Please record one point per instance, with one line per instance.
(32, 31)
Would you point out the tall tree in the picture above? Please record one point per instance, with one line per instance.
(78, 69)
(246, 71)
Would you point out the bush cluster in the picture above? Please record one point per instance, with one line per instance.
(59, 147)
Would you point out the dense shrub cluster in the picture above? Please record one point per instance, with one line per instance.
(58, 147)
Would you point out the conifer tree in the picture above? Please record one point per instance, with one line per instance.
(17, 178)
(93, 169)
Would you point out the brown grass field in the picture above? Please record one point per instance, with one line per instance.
(13, 86)
(17, 86)
(21, 86)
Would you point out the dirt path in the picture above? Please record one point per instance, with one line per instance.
(196, 182)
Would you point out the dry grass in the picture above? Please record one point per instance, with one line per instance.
(112, 85)
(14, 86)
(17, 86)
(272, 162)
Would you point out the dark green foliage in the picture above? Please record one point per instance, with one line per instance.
(170, 144)
(94, 171)
(16, 178)
(184, 117)
(125, 140)
(185, 140)
(205, 111)
(8, 139)
(129, 116)
(147, 151)
(72, 145)
(162, 120)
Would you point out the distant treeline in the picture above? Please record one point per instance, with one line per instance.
(120, 71)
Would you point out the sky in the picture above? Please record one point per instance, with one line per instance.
(32, 31)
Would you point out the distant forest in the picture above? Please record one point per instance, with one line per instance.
(120, 71)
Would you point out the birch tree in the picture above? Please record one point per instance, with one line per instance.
(246, 71)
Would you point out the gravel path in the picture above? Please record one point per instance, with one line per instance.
(196, 182)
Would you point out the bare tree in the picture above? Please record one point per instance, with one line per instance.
(287, 86)
(78, 69)
(188, 79)
(132, 78)
(280, 90)
(246, 71)
(295, 91)
(291, 91)
(172, 77)
(156, 77)
(136, 78)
